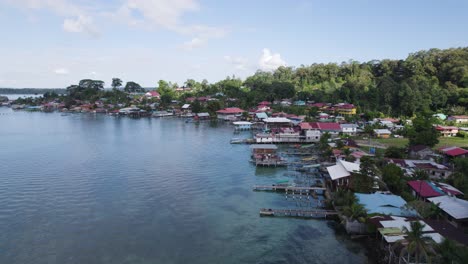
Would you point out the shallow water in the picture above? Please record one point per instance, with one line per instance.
(86, 188)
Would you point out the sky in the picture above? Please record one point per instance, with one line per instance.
(56, 43)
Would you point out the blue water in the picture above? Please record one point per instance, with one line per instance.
(98, 189)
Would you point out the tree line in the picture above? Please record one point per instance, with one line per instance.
(426, 81)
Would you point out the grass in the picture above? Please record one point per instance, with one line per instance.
(443, 141)
(452, 141)
(392, 142)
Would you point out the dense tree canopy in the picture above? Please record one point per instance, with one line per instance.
(426, 81)
(133, 87)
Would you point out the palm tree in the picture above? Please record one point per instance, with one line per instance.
(448, 252)
(355, 212)
(415, 244)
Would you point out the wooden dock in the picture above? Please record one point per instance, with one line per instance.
(285, 188)
(297, 213)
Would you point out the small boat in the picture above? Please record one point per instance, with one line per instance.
(237, 141)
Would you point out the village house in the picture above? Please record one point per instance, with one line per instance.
(385, 203)
(242, 125)
(333, 129)
(322, 117)
(391, 230)
(434, 170)
(458, 119)
(310, 131)
(453, 152)
(340, 175)
(202, 116)
(386, 123)
(345, 109)
(349, 129)
(277, 122)
(420, 152)
(440, 116)
(428, 189)
(229, 114)
(382, 133)
(183, 89)
(447, 131)
(320, 106)
(265, 155)
(299, 103)
(153, 94)
(455, 209)
(260, 116)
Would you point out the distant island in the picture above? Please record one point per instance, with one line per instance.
(32, 90)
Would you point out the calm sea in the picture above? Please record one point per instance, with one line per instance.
(16, 96)
(98, 189)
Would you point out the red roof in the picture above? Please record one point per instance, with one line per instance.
(453, 151)
(308, 126)
(264, 103)
(230, 110)
(442, 128)
(345, 106)
(154, 94)
(319, 105)
(459, 117)
(425, 189)
(329, 126)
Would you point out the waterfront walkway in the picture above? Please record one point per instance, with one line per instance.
(296, 213)
(286, 188)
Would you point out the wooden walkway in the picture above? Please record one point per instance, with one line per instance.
(286, 188)
(296, 213)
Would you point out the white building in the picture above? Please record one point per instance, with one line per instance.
(349, 129)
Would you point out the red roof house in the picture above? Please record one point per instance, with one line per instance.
(153, 94)
(454, 151)
(425, 189)
(229, 113)
(329, 126)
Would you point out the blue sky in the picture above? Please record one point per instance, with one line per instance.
(55, 43)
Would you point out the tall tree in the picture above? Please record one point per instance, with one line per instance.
(133, 87)
(423, 132)
(116, 83)
(416, 245)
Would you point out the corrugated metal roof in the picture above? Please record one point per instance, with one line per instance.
(342, 169)
(262, 115)
(457, 208)
(387, 204)
(277, 120)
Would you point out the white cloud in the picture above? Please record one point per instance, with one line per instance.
(270, 61)
(162, 13)
(167, 14)
(93, 73)
(193, 43)
(76, 17)
(79, 25)
(79, 16)
(239, 63)
(61, 71)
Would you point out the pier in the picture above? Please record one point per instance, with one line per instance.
(286, 188)
(297, 213)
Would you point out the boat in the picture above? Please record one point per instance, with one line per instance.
(237, 140)
(162, 114)
(310, 158)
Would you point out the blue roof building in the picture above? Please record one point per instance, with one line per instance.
(387, 204)
(261, 115)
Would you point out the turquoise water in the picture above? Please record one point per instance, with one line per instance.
(98, 189)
